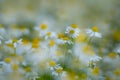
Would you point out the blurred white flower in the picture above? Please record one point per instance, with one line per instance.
(95, 58)
(24, 31)
(73, 31)
(6, 67)
(14, 42)
(94, 32)
(51, 35)
(42, 29)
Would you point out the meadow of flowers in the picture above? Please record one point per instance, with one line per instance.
(59, 40)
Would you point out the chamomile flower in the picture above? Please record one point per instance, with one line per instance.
(6, 67)
(24, 30)
(56, 69)
(50, 35)
(14, 42)
(63, 39)
(95, 58)
(14, 31)
(73, 31)
(94, 32)
(42, 29)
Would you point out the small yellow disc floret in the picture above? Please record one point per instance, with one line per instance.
(7, 60)
(74, 26)
(52, 63)
(95, 28)
(59, 70)
(43, 26)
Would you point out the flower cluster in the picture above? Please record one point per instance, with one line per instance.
(42, 54)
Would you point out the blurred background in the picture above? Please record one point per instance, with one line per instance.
(60, 13)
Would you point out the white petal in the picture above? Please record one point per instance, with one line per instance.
(98, 35)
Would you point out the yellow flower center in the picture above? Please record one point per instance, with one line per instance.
(116, 35)
(95, 29)
(59, 53)
(117, 72)
(25, 42)
(20, 58)
(96, 71)
(59, 70)
(112, 55)
(86, 48)
(51, 43)
(52, 63)
(13, 54)
(49, 33)
(81, 38)
(1, 26)
(15, 40)
(74, 26)
(43, 26)
(71, 31)
(90, 63)
(35, 43)
(65, 38)
(60, 35)
(7, 60)
(28, 69)
(15, 66)
(10, 45)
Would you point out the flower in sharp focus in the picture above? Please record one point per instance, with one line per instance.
(94, 32)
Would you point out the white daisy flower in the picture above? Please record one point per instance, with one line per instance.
(64, 40)
(15, 42)
(42, 29)
(50, 35)
(24, 30)
(14, 31)
(57, 71)
(73, 31)
(6, 67)
(95, 58)
(94, 32)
